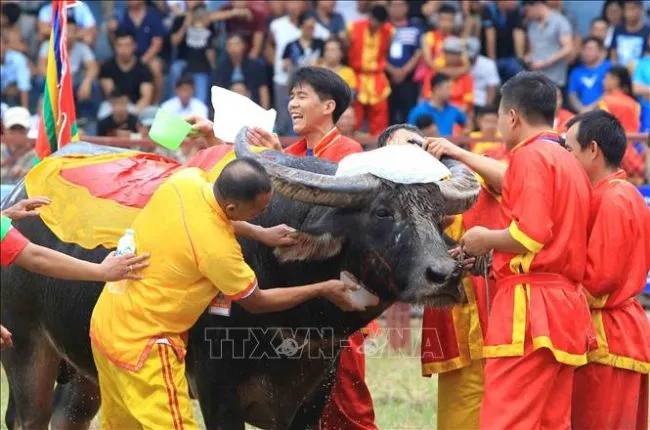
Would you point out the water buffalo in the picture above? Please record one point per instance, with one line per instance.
(270, 370)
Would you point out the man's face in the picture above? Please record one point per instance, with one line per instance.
(507, 124)
(306, 108)
(327, 5)
(308, 28)
(185, 92)
(402, 137)
(631, 12)
(599, 29)
(442, 93)
(125, 48)
(246, 211)
(134, 4)
(590, 53)
(294, 7)
(15, 137)
(398, 10)
(235, 47)
(453, 59)
(488, 122)
(446, 23)
(586, 156)
(535, 11)
(120, 106)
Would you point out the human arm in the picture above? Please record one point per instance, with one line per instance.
(154, 49)
(519, 36)
(180, 28)
(256, 45)
(265, 97)
(279, 235)
(427, 55)
(478, 241)
(92, 70)
(146, 96)
(25, 208)
(5, 338)
(641, 90)
(641, 81)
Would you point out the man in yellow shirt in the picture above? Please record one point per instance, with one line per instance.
(136, 329)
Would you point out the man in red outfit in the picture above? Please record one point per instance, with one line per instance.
(317, 98)
(612, 391)
(539, 327)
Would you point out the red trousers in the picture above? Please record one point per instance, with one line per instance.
(350, 407)
(608, 398)
(529, 392)
(376, 114)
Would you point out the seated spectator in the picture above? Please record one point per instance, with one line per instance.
(193, 37)
(17, 154)
(431, 42)
(306, 50)
(244, 17)
(484, 74)
(236, 67)
(631, 38)
(83, 67)
(120, 123)
(330, 19)
(562, 116)
(586, 80)
(612, 13)
(333, 54)
(641, 88)
(184, 103)
(487, 139)
(145, 23)
(504, 36)
(445, 115)
(427, 126)
(126, 73)
(9, 22)
(551, 41)
(15, 75)
(82, 15)
(599, 29)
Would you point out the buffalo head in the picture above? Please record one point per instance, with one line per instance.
(389, 234)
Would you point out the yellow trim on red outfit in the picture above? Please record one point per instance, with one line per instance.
(531, 244)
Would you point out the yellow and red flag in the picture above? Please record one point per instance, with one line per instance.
(58, 125)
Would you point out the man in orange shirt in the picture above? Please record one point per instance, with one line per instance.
(612, 391)
(370, 41)
(539, 328)
(317, 99)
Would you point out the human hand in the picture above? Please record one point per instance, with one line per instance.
(26, 208)
(338, 292)
(536, 65)
(5, 338)
(83, 93)
(259, 137)
(117, 268)
(474, 241)
(242, 13)
(467, 262)
(203, 127)
(279, 235)
(439, 147)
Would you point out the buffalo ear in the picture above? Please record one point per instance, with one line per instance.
(310, 247)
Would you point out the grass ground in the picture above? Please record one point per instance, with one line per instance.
(403, 399)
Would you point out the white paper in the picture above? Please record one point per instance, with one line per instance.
(233, 111)
(402, 164)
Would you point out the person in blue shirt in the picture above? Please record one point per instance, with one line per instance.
(586, 80)
(444, 114)
(15, 75)
(631, 38)
(641, 89)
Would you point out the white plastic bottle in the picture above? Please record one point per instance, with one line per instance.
(126, 245)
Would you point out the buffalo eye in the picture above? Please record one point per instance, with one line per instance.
(383, 213)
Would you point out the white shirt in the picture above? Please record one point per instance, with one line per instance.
(285, 32)
(81, 12)
(484, 73)
(194, 107)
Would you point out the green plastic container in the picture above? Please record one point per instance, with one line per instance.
(169, 130)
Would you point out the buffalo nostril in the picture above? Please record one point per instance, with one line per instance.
(434, 275)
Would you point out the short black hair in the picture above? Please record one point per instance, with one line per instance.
(439, 79)
(447, 9)
(327, 84)
(304, 17)
(379, 13)
(533, 95)
(385, 136)
(242, 180)
(487, 110)
(123, 32)
(185, 80)
(597, 40)
(603, 128)
(236, 34)
(598, 19)
(424, 121)
(71, 20)
(624, 80)
(12, 11)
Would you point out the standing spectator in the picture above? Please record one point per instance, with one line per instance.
(599, 28)
(146, 24)
(612, 13)
(630, 39)
(184, 103)
(15, 75)
(487, 140)
(549, 35)
(427, 126)
(484, 74)
(236, 67)
(558, 6)
(641, 88)
(306, 50)
(17, 154)
(562, 116)
(503, 36)
(445, 115)
(328, 18)
(245, 18)
(193, 35)
(127, 73)
(586, 80)
(333, 54)
(120, 122)
(83, 67)
(370, 40)
(82, 15)
(284, 30)
(11, 14)
(432, 41)
(403, 58)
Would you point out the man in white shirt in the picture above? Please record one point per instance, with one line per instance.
(285, 30)
(484, 73)
(81, 14)
(184, 103)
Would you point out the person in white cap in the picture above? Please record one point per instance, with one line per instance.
(484, 73)
(17, 152)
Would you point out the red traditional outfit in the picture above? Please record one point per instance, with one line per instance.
(612, 391)
(350, 406)
(452, 339)
(367, 55)
(539, 327)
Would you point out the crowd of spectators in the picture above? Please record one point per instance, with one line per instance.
(435, 64)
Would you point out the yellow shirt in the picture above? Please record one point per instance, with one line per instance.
(347, 74)
(194, 256)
